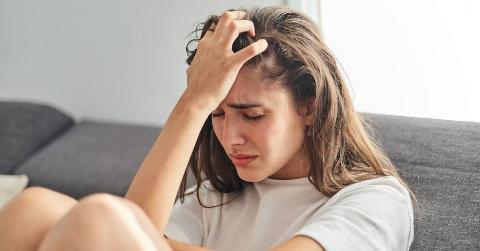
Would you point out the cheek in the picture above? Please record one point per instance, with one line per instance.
(268, 136)
(285, 138)
(259, 135)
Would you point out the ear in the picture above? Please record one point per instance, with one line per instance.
(306, 109)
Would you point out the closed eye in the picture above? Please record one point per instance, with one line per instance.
(217, 114)
(258, 117)
(253, 117)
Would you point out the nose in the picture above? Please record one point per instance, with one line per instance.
(232, 132)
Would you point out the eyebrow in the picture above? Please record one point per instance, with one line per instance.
(243, 105)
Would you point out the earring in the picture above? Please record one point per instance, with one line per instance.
(309, 131)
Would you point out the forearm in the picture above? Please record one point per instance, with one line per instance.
(180, 246)
(156, 183)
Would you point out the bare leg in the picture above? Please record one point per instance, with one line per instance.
(143, 220)
(25, 219)
(104, 222)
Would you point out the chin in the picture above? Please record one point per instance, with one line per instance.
(249, 176)
(251, 180)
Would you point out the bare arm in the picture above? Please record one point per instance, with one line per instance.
(181, 246)
(155, 185)
(209, 79)
(297, 243)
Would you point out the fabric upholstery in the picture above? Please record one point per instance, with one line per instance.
(91, 157)
(440, 160)
(25, 128)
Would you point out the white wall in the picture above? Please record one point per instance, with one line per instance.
(122, 60)
(115, 60)
(410, 57)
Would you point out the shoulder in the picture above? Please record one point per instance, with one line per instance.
(382, 196)
(375, 214)
(383, 201)
(387, 185)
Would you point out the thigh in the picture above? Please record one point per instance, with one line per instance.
(143, 219)
(26, 218)
(103, 222)
(147, 225)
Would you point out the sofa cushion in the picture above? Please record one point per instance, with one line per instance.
(91, 157)
(440, 160)
(25, 128)
(11, 185)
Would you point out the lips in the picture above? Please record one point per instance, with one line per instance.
(242, 159)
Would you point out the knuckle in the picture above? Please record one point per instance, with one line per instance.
(233, 26)
(252, 50)
(227, 14)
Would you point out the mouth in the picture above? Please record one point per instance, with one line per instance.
(242, 159)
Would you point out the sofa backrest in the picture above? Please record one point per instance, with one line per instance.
(25, 128)
(440, 160)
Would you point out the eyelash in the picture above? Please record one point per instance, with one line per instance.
(247, 117)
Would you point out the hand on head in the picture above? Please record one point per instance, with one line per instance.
(215, 66)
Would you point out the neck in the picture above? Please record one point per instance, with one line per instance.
(296, 168)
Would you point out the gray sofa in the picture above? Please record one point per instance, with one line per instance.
(440, 159)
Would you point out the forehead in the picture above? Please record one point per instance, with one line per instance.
(251, 87)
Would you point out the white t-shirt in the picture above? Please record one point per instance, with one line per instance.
(371, 215)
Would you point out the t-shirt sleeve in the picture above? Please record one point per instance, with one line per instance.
(186, 222)
(375, 215)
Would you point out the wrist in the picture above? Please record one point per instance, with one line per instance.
(192, 102)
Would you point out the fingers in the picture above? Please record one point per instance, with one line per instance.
(235, 28)
(209, 33)
(229, 16)
(227, 30)
(231, 25)
(250, 51)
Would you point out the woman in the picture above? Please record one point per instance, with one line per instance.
(281, 159)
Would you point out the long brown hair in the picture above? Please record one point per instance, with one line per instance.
(340, 145)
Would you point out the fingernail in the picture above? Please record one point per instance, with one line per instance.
(265, 42)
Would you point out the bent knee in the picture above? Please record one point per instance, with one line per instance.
(43, 194)
(108, 202)
(101, 218)
(97, 211)
(99, 205)
(99, 200)
(26, 217)
(39, 198)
